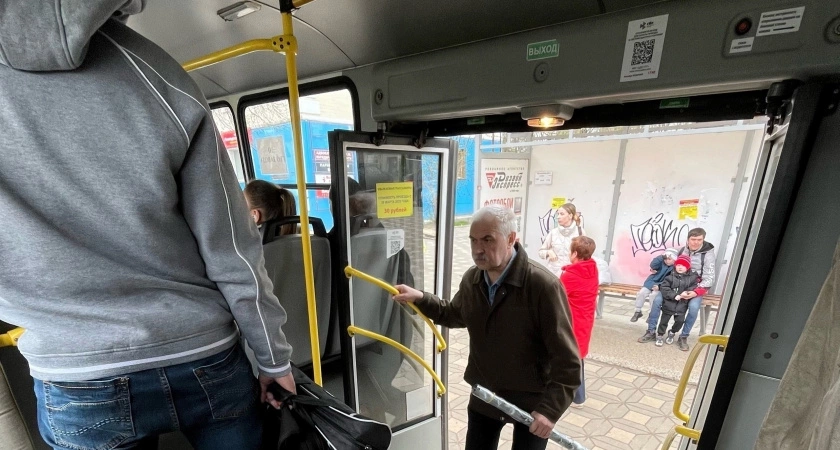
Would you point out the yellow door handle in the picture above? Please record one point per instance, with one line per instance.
(405, 350)
(681, 430)
(351, 272)
(10, 338)
(706, 339)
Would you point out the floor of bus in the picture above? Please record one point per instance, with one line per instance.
(629, 386)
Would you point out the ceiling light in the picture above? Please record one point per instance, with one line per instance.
(547, 116)
(238, 10)
(546, 122)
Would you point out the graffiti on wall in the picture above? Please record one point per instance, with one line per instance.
(656, 234)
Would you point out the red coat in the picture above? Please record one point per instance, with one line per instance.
(581, 282)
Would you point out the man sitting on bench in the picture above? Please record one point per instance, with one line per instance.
(702, 256)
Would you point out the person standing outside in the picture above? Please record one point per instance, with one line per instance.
(130, 259)
(580, 279)
(522, 346)
(702, 255)
(555, 248)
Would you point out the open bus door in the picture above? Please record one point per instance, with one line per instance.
(394, 222)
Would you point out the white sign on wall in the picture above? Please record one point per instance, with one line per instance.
(503, 182)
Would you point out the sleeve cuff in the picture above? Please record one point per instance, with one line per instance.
(281, 370)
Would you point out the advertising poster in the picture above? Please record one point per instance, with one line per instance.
(503, 182)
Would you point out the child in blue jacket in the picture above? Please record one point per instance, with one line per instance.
(660, 267)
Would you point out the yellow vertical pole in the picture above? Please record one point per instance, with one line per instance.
(290, 43)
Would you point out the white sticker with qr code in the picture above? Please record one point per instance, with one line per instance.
(395, 242)
(643, 48)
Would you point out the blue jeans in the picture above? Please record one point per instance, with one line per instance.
(690, 317)
(213, 401)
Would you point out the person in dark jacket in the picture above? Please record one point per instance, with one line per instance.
(521, 342)
(660, 267)
(675, 296)
(580, 278)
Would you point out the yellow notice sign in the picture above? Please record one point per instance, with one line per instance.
(688, 209)
(557, 202)
(394, 199)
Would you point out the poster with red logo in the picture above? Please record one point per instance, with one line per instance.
(504, 182)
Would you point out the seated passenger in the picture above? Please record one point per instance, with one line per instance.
(267, 202)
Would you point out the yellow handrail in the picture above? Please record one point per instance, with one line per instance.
(706, 339)
(275, 44)
(405, 350)
(11, 337)
(289, 43)
(351, 272)
(681, 430)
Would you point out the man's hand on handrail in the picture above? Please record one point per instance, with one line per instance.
(407, 294)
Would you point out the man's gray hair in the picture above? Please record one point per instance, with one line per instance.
(505, 218)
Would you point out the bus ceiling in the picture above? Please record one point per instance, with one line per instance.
(575, 53)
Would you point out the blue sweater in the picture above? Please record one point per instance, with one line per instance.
(662, 271)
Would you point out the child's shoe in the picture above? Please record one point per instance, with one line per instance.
(659, 340)
(670, 339)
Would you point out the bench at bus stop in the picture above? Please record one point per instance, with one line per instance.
(710, 302)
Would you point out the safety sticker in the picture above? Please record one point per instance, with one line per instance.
(643, 48)
(781, 21)
(396, 242)
(741, 45)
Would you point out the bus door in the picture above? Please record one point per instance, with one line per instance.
(394, 219)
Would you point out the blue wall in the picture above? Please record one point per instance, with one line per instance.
(315, 138)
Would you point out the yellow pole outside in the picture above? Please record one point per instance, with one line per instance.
(288, 43)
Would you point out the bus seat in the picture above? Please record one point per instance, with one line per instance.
(13, 432)
(373, 306)
(284, 264)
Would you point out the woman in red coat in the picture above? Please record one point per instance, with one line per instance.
(580, 278)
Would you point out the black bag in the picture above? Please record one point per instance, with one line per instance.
(315, 420)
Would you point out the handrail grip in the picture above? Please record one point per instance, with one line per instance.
(681, 430)
(405, 350)
(706, 339)
(11, 337)
(243, 48)
(351, 272)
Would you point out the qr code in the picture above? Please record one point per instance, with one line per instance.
(396, 246)
(643, 52)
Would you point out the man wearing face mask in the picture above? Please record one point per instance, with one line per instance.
(521, 342)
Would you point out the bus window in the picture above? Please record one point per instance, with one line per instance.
(272, 144)
(223, 116)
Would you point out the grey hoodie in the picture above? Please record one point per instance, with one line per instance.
(125, 242)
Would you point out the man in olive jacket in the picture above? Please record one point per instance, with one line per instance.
(521, 341)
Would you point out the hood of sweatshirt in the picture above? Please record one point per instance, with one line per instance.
(53, 35)
(583, 269)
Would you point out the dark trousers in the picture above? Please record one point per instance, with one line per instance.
(483, 434)
(679, 318)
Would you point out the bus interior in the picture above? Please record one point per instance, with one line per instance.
(653, 116)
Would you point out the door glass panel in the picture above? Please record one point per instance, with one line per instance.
(223, 116)
(393, 205)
